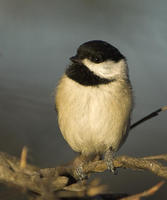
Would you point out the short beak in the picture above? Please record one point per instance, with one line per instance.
(75, 59)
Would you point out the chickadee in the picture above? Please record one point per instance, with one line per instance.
(94, 101)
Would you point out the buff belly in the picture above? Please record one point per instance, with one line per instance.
(93, 119)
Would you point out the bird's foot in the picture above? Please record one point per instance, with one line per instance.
(79, 173)
(108, 158)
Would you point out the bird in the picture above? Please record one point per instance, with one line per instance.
(94, 102)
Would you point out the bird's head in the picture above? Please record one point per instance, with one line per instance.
(103, 59)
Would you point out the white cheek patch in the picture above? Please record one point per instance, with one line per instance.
(107, 69)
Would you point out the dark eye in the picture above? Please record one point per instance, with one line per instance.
(97, 59)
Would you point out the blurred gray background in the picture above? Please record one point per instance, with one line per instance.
(37, 37)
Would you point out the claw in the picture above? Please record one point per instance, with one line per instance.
(80, 173)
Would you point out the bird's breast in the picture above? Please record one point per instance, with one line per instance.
(93, 119)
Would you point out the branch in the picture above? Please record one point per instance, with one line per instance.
(130, 163)
(99, 190)
(29, 178)
(45, 183)
(149, 116)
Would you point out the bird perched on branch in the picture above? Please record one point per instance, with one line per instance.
(94, 102)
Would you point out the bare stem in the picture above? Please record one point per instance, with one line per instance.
(149, 116)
